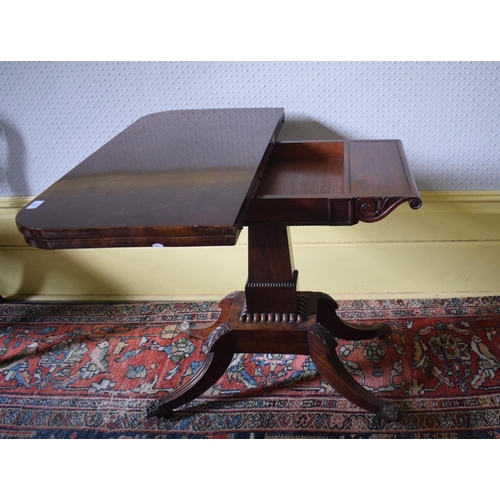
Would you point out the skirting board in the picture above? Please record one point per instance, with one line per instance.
(450, 247)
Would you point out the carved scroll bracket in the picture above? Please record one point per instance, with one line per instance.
(375, 209)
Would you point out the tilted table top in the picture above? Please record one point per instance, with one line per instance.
(196, 177)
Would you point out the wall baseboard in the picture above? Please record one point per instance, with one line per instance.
(450, 247)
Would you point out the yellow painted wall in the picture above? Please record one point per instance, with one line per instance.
(450, 247)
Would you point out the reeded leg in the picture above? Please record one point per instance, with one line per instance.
(322, 351)
(327, 316)
(218, 360)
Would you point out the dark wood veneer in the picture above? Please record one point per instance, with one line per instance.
(196, 177)
(180, 175)
(332, 183)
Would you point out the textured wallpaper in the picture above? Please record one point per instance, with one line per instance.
(54, 114)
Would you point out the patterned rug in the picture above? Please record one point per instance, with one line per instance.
(88, 370)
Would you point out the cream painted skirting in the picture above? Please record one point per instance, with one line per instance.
(450, 247)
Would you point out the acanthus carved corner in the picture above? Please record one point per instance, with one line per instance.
(216, 334)
(375, 209)
(320, 332)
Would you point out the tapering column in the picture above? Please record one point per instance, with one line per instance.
(272, 282)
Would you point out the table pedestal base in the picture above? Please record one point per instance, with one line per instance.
(312, 331)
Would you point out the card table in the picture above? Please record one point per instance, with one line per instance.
(197, 177)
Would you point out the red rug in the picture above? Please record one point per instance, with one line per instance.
(88, 370)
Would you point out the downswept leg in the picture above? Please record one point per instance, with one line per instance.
(322, 351)
(218, 360)
(327, 316)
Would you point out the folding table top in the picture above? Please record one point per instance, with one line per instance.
(195, 177)
(174, 178)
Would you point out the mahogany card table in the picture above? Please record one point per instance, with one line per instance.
(197, 177)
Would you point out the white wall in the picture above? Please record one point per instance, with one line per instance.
(54, 114)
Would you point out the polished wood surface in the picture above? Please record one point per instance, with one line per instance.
(332, 183)
(302, 169)
(271, 286)
(175, 178)
(271, 316)
(191, 178)
(195, 178)
(308, 336)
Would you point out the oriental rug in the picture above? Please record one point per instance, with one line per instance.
(88, 370)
